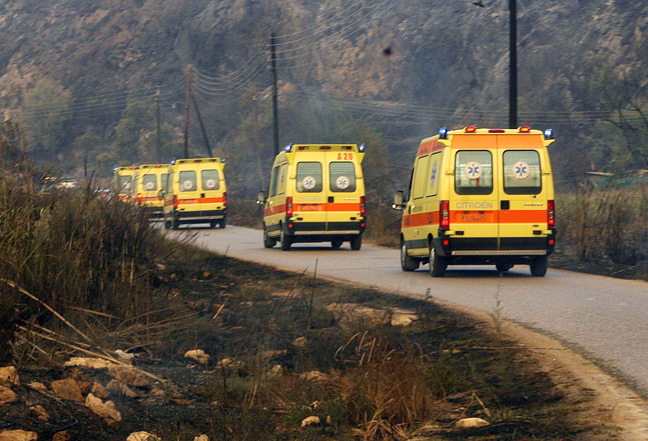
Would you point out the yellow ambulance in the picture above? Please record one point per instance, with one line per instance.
(149, 179)
(316, 194)
(124, 182)
(195, 193)
(479, 196)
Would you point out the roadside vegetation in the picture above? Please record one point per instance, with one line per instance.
(290, 356)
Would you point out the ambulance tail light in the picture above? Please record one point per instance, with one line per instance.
(139, 198)
(551, 214)
(363, 208)
(224, 198)
(444, 214)
(289, 206)
(175, 201)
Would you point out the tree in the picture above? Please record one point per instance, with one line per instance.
(137, 121)
(43, 114)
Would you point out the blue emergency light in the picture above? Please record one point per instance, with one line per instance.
(288, 148)
(361, 148)
(549, 134)
(443, 133)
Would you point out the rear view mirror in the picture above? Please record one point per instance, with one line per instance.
(261, 198)
(161, 194)
(399, 201)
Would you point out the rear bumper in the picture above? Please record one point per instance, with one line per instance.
(199, 216)
(323, 231)
(494, 250)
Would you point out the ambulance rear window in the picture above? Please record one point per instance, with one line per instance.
(124, 184)
(309, 177)
(342, 176)
(165, 179)
(474, 172)
(522, 174)
(149, 182)
(188, 180)
(210, 180)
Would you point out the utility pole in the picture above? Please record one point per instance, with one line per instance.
(159, 141)
(202, 126)
(513, 92)
(275, 111)
(187, 113)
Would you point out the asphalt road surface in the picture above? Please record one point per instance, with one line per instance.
(603, 318)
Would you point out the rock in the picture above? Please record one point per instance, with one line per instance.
(62, 436)
(230, 363)
(105, 410)
(99, 391)
(125, 356)
(300, 342)
(128, 375)
(142, 436)
(67, 389)
(7, 395)
(276, 371)
(116, 386)
(37, 386)
(314, 376)
(201, 438)
(9, 376)
(92, 363)
(311, 421)
(18, 435)
(199, 355)
(157, 392)
(40, 412)
(471, 423)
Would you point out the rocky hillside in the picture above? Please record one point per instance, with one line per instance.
(405, 68)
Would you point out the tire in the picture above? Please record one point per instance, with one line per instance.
(438, 264)
(222, 223)
(336, 243)
(268, 242)
(356, 242)
(175, 223)
(212, 224)
(538, 266)
(167, 225)
(286, 241)
(503, 267)
(407, 263)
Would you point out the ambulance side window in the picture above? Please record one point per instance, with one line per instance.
(309, 177)
(342, 176)
(522, 174)
(281, 179)
(149, 182)
(273, 181)
(433, 175)
(164, 178)
(188, 180)
(474, 172)
(210, 180)
(420, 177)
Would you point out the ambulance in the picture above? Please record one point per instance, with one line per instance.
(479, 196)
(149, 179)
(316, 194)
(123, 182)
(195, 193)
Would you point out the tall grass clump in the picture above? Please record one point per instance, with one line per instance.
(68, 258)
(605, 225)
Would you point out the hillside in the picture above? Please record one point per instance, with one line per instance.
(403, 68)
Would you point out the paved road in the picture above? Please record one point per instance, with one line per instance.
(602, 317)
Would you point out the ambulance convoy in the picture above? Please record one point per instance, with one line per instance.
(476, 196)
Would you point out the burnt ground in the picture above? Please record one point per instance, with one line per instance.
(284, 346)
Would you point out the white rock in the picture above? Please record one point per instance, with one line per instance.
(471, 423)
(105, 410)
(142, 436)
(9, 376)
(199, 355)
(18, 435)
(311, 421)
(92, 363)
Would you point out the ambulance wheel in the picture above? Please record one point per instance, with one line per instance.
(336, 243)
(438, 264)
(503, 267)
(356, 242)
(175, 223)
(407, 263)
(167, 225)
(538, 266)
(268, 242)
(286, 241)
(221, 223)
